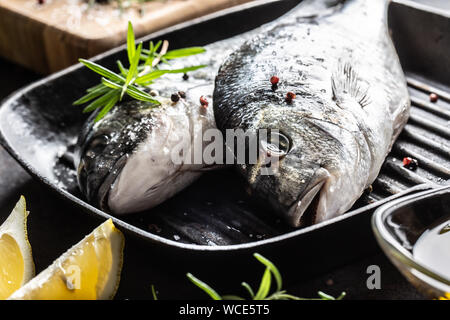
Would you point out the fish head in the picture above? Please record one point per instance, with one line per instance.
(137, 156)
(103, 149)
(302, 163)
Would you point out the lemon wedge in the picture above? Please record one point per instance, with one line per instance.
(90, 270)
(16, 261)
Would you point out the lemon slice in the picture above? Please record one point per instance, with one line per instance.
(90, 270)
(16, 261)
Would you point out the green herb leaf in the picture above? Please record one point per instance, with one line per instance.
(100, 102)
(111, 84)
(272, 268)
(249, 289)
(102, 70)
(232, 297)
(187, 69)
(131, 46)
(109, 105)
(210, 291)
(282, 295)
(95, 87)
(114, 85)
(325, 296)
(185, 52)
(133, 69)
(151, 76)
(157, 45)
(342, 296)
(264, 287)
(98, 91)
(122, 69)
(138, 94)
(155, 297)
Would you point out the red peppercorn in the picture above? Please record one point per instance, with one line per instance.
(406, 161)
(204, 102)
(433, 97)
(41, 1)
(410, 163)
(274, 80)
(290, 96)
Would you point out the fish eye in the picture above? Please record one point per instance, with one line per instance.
(98, 144)
(278, 144)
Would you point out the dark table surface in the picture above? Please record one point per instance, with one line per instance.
(54, 227)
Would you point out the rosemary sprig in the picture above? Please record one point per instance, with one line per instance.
(143, 70)
(264, 287)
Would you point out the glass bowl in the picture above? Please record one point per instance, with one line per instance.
(399, 225)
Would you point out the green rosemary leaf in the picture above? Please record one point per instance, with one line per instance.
(122, 69)
(181, 53)
(155, 297)
(100, 89)
(272, 268)
(109, 105)
(158, 73)
(187, 69)
(325, 296)
(95, 87)
(100, 102)
(133, 69)
(210, 291)
(151, 76)
(138, 94)
(111, 84)
(282, 295)
(102, 70)
(249, 289)
(341, 296)
(114, 85)
(264, 287)
(131, 46)
(157, 45)
(149, 55)
(151, 46)
(232, 297)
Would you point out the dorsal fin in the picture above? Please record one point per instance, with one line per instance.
(346, 84)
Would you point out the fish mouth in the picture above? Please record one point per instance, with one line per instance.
(105, 188)
(303, 211)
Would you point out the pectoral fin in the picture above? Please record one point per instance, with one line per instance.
(345, 84)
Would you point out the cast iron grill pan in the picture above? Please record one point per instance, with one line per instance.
(215, 214)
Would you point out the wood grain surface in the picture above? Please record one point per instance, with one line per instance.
(51, 36)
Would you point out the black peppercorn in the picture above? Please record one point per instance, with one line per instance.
(175, 97)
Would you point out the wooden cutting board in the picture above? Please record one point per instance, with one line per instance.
(51, 36)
